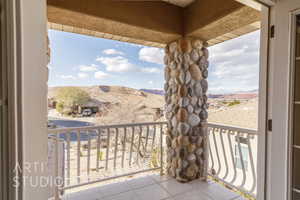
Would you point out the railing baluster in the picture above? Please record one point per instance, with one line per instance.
(116, 147)
(89, 155)
(56, 167)
(124, 146)
(78, 156)
(98, 149)
(139, 145)
(232, 157)
(161, 151)
(131, 146)
(241, 159)
(147, 136)
(107, 148)
(143, 146)
(224, 153)
(217, 151)
(68, 157)
(252, 164)
(153, 138)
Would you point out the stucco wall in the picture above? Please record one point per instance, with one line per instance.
(34, 94)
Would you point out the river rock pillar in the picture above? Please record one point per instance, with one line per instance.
(186, 63)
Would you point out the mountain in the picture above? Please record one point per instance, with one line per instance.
(154, 91)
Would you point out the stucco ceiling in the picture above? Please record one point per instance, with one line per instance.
(181, 3)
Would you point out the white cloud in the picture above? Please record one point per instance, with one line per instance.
(70, 77)
(234, 65)
(101, 75)
(150, 82)
(82, 75)
(116, 64)
(150, 70)
(112, 52)
(88, 68)
(152, 55)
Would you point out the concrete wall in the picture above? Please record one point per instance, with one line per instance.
(34, 93)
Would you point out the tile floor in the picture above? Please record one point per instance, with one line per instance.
(155, 187)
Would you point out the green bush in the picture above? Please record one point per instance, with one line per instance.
(60, 107)
(72, 96)
(233, 103)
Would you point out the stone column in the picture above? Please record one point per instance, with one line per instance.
(186, 71)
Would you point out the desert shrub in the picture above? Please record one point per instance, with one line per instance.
(235, 102)
(60, 107)
(69, 97)
(100, 155)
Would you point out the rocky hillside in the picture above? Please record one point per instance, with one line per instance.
(121, 104)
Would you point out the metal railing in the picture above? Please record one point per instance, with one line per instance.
(97, 153)
(233, 157)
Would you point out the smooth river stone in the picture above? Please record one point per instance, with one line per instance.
(205, 53)
(167, 74)
(192, 171)
(174, 122)
(204, 85)
(193, 120)
(183, 140)
(188, 77)
(182, 115)
(190, 109)
(182, 77)
(195, 72)
(197, 110)
(173, 65)
(191, 148)
(198, 89)
(183, 128)
(199, 152)
(191, 157)
(205, 73)
(172, 47)
(174, 73)
(194, 100)
(185, 45)
(198, 44)
(203, 114)
(182, 163)
(194, 55)
(183, 102)
(186, 58)
(182, 91)
(166, 59)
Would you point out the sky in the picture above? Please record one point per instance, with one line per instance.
(79, 60)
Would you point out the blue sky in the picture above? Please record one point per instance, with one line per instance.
(80, 60)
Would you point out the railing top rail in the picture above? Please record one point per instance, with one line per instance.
(233, 128)
(86, 128)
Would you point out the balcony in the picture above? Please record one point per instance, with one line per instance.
(127, 161)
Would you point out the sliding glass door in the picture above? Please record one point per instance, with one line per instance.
(295, 110)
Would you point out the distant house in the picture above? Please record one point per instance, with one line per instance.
(93, 105)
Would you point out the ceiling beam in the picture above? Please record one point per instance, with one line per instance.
(209, 19)
(151, 21)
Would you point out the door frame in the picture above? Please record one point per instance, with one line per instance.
(10, 139)
(292, 66)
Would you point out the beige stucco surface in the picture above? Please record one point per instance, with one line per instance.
(153, 23)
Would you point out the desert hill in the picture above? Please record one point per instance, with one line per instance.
(121, 104)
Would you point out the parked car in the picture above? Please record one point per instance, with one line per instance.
(87, 112)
